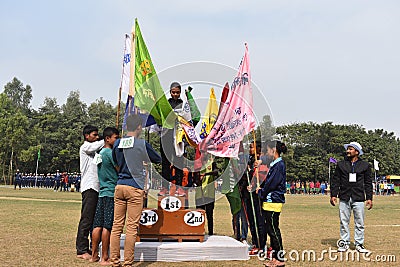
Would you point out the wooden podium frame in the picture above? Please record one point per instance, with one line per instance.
(171, 221)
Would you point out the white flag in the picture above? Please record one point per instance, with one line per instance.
(184, 111)
(126, 66)
(376, 163)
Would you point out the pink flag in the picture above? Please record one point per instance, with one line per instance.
(236, 117)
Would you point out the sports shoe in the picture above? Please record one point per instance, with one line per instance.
(269, 253)
(253, 251)
(360, 248)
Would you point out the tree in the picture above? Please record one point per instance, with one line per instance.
(49, 131)
(102, 114)
(74, 117)
(19, 95)
(13, 140)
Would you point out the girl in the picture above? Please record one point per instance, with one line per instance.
(272, 193)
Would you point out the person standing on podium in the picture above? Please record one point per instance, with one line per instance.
(170, 160)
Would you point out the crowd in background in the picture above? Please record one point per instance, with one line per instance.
(383, 188)
(67, 182)
(307, 187)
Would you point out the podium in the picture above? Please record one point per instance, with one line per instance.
(171, 221)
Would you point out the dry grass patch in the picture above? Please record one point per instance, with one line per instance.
(39, 228)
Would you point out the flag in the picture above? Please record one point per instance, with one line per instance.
(210, 115)
(236, 118)
(192, 136)
(185, 110)
(332, 160)
(224, 96)
(376, 165)
(230, 185)
(184, 121)
(126, 65)
(130, 108)
(38, 154)
(149, 95)
(194, 109)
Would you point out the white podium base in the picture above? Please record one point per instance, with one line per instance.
(214, 248)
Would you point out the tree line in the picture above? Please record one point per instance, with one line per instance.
(56, 130)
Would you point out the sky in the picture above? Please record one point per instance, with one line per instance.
(310, 60)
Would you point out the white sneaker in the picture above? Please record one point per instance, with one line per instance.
(360, 248)
(343, 248)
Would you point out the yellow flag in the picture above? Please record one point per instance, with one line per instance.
(210, 116)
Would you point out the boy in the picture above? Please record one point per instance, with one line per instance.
(129, 153)
(104, 216)
(167, 148)
(89, 188)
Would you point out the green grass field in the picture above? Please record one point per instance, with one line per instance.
(38, 228)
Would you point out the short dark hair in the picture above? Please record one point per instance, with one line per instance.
(89, 129)
(175, 84)
(109, 131)
(133, 122)
(280, 146)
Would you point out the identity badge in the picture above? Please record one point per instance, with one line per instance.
(352, 177)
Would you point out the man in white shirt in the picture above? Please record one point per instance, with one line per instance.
(89, 188)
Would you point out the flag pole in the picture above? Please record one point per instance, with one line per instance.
(329, 170)
(254, 213)
(118, 105)
(133, 66)
(251, 195)
(255, 157)
(37, 166)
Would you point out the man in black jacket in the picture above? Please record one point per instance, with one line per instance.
(352, 183)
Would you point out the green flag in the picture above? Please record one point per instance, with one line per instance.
(235, 202)
(38, 155)
(194, 109)
(229, 185)
(149, 95)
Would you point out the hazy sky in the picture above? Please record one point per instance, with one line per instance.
(313, 60)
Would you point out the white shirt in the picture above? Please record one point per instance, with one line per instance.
(89, 179)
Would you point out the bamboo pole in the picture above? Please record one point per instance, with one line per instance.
(118, 106)
(255, 157)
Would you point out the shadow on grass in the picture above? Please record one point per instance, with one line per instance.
(329, 241)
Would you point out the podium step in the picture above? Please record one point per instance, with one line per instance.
(214, 248)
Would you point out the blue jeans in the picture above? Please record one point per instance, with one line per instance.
(345, 208)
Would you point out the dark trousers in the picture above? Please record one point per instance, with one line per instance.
(209, 208)
(271, 221)
(89, 203)
(260, 240)
(17, 182)
(168, 157)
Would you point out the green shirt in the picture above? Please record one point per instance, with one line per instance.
(108, 176)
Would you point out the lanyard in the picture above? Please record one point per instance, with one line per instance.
(353, 166)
